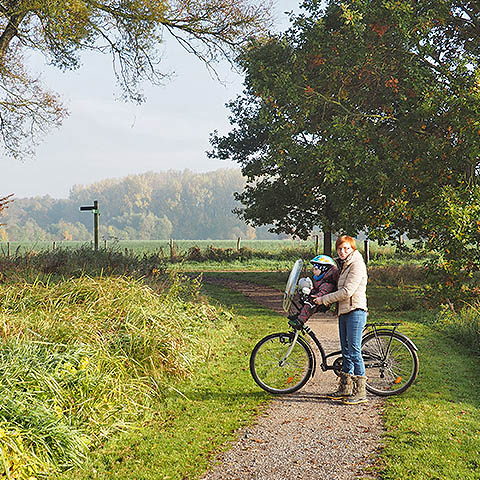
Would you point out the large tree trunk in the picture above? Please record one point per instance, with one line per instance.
(327, 243)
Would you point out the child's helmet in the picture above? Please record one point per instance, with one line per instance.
(323, 262)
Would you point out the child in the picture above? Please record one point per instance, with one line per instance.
(325, 276)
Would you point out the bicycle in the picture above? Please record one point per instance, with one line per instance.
(283, 362)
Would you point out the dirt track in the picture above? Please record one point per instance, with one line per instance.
(302, 436)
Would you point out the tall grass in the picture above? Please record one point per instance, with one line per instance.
(155, 246)
(86, 357)
(463, 326)
(144, 256)
(397, 275)
(64, 262)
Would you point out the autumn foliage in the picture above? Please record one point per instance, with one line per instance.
(374, 106)
(130, 32)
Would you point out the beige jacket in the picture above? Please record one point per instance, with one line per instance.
(352, 286)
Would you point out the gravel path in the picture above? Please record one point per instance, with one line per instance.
(302, 436)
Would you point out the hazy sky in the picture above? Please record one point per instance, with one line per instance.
(104, 137)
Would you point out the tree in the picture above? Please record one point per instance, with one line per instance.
(4, 204)
(358, 117)
(453, 226)
(294, 154)
(68, 231)
(130, 31)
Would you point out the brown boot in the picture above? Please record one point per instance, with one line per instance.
(360, 392)
(345, 387)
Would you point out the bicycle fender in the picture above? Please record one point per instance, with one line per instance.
(404, 337)
(314, 361)
(307, 344)
(411, 343)
(314, 367)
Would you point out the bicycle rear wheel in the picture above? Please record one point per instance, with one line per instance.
(391, 362)
(276, 373)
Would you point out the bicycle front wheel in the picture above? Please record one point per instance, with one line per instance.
(278, 366)
(391, 363)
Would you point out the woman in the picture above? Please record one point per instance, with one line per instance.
(352, 310)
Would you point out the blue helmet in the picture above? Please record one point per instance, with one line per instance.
(324, 263)
(323, 260)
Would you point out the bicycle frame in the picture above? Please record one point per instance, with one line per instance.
(369, 327)
(282, 362)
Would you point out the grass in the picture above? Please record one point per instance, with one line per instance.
(270, 279)
(85, 359)
(462, 326)
(148, 246)
(167, 418)
(64, 263)
(210, 254)
(433, 429)
(198, 415)
(254, 264)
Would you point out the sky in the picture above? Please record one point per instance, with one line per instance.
(104, 137)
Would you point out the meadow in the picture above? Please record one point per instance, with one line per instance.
(149, 246)
(120, 365)
(210, 255)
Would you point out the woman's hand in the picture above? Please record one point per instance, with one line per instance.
(318, 300)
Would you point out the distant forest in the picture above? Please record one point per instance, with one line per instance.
(150, 206)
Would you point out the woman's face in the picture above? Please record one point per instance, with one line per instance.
(344, 250)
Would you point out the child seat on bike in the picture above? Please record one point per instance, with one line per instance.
(325, 277)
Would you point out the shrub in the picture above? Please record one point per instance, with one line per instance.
(395, 275)
(454, 236)
(463, 326)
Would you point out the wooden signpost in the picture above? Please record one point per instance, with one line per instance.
(94, 209)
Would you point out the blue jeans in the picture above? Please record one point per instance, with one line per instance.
(350, 327)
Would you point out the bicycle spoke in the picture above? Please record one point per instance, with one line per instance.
(276, 372)
(391, 364)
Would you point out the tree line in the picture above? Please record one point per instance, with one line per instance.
(149, 206)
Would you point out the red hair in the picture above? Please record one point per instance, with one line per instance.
(345, 239)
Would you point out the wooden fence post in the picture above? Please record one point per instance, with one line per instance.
(366, 245)
(238, 243)
(8, 249)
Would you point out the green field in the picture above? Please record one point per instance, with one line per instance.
(196, 255)
(262, 248)
(141, 246)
